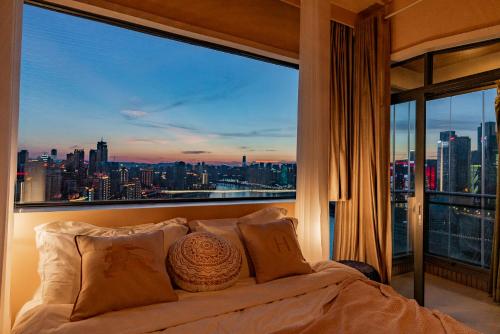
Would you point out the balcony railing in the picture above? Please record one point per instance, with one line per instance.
(459, 226)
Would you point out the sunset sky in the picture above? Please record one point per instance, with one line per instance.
(152, 99)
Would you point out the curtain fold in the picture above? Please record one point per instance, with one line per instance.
(311, 204)
(495, 253)
(363, 222)
(341, 99)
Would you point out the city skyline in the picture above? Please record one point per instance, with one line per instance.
(195, 104)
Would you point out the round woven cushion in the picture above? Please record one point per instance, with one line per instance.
(203, 261)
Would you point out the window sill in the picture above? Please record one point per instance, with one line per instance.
(127, 206)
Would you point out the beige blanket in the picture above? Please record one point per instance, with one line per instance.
(334, 299)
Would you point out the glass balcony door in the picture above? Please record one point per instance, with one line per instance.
(403, 150)
(461, 163)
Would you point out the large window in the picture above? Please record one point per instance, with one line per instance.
(109, 113)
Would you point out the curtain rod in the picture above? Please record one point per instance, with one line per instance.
(403, 9)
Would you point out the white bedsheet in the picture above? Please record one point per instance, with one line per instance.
(244, 308)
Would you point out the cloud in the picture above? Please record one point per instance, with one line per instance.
(221, 91)
(269, 133)
(133, 114)
(162, 125)
(196, 152)
(148, 141)
(271, 150)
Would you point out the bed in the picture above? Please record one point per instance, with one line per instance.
(333, 299)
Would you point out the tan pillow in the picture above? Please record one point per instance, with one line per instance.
(228, 228)
(274, 250)
(121, 272)
(203, 261)
(59, 263)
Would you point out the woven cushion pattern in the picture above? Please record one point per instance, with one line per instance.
(203, 261)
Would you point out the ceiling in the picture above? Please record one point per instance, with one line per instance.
(355, 6)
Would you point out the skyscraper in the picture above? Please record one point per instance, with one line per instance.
(103, 187)
(147, 178)
(92, 162)
(53, 154)
(460, 161)
(102, 151)
(443, 160)
(34, 182)
(488, 144)
(123, 175)
(78, 159)
(244, 161)
(453, 162)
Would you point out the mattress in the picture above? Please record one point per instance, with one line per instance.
(334, 298)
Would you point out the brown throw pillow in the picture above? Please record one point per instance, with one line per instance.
(203, 261)
(274, 250)
(121, 272)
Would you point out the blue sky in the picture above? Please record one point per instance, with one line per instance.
(153, 99)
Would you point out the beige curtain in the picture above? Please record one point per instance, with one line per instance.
(341, 101)
(311, 204)
(495, 254)
(363, 223)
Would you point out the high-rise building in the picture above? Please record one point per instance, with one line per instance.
(34, 182)
(443, 160)
(102, 187)
(53, 154)
(204, 177)
(53, 184)
(44, 157)
(132, 190)
(69, 164)
(453, 162)
(102, 151)
(147, 178)
(460, 161)
(92, 162)
(487, 145)
(475, 178)
(123, 175)
(244, 161)
(78, 159)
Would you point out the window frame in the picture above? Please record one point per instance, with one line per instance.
(18, 207)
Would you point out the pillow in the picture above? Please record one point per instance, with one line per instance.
(263, 215)
(59, 263)
(203, 261)
(227, 228)
(274, 250)
(121, 272)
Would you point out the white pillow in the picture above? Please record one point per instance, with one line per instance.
(228, 229)
(59, 263)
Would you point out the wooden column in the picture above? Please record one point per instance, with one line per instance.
(313, 129)
(10, 53)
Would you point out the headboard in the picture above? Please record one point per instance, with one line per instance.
(24, 255)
